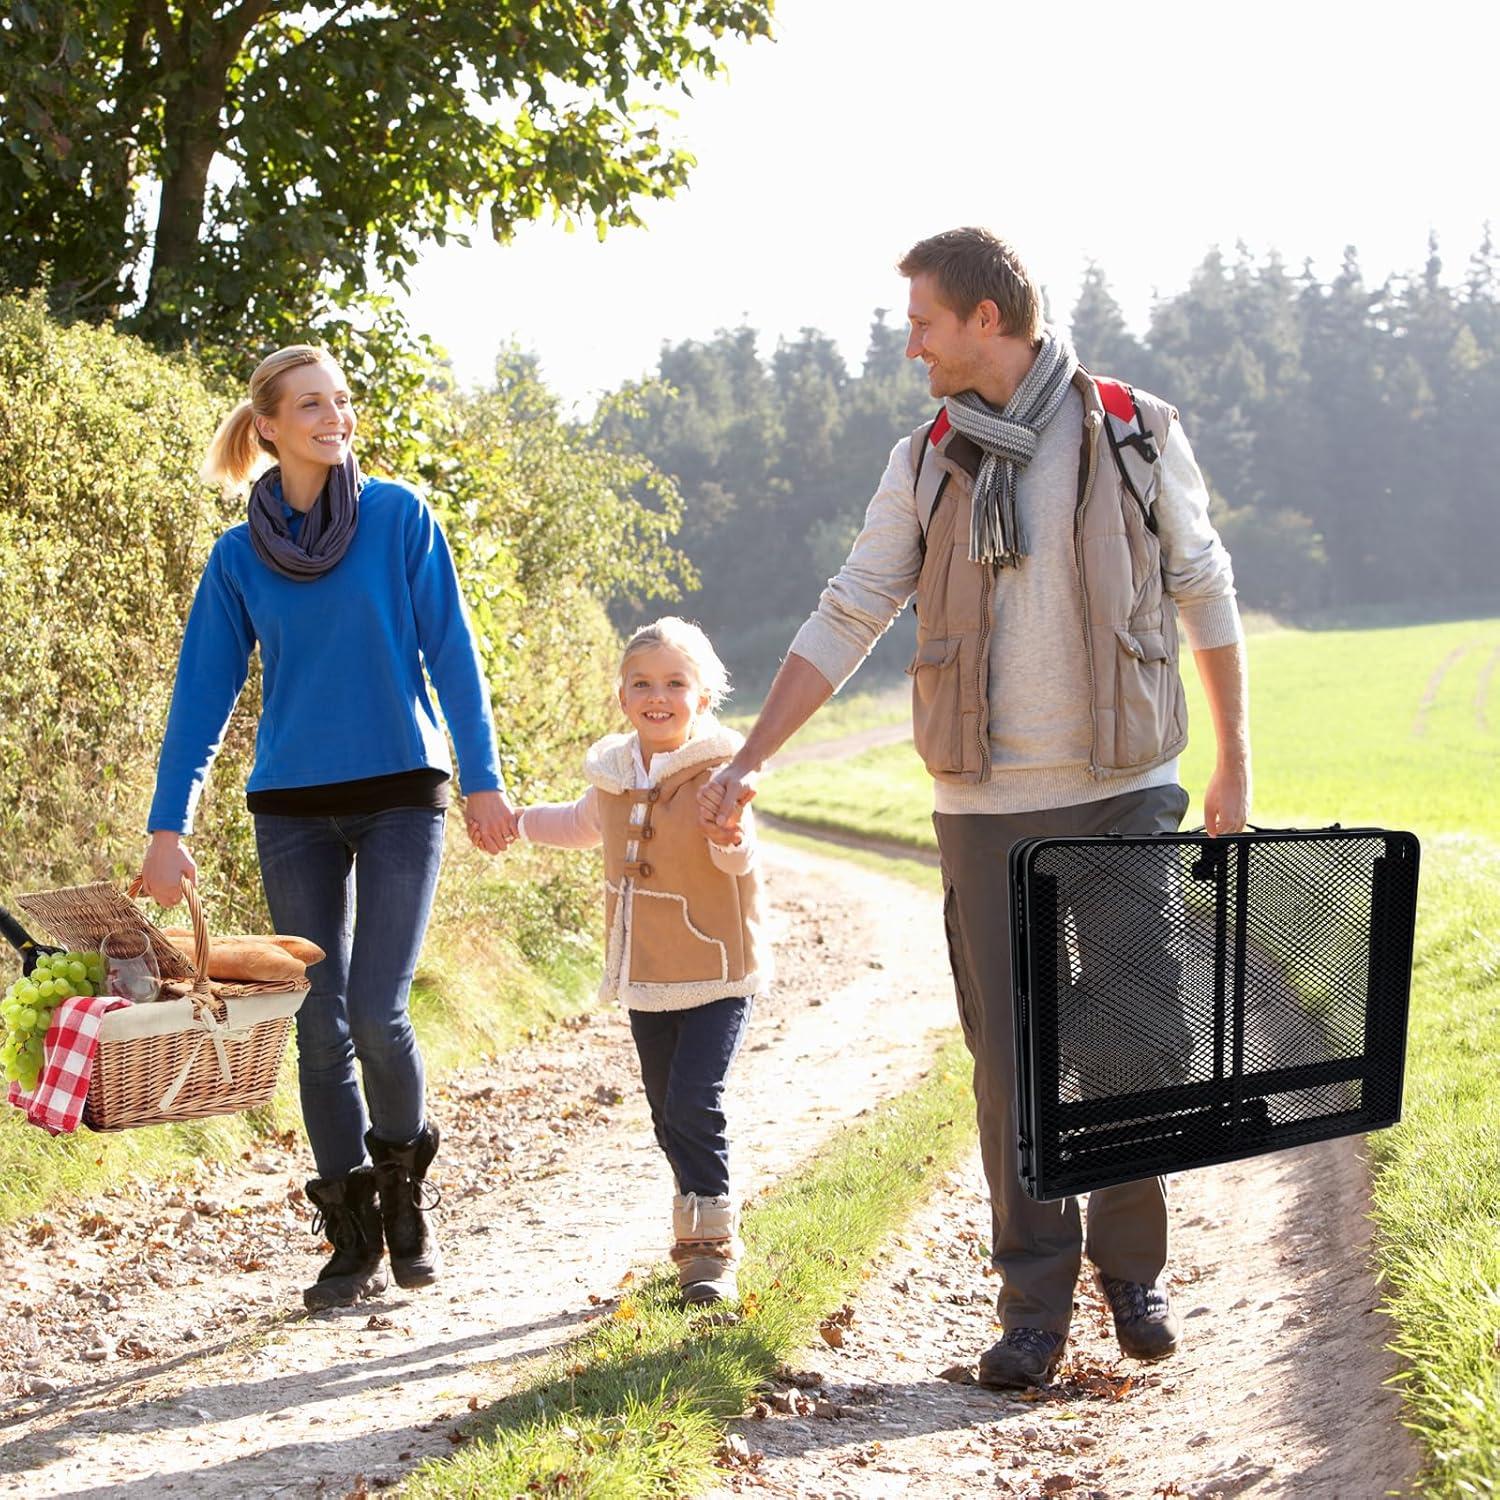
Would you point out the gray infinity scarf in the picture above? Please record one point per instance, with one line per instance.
(1009, 439)
(327, 529)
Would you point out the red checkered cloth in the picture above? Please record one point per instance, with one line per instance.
(56, 1104)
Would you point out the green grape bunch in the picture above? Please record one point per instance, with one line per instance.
(26, 1010)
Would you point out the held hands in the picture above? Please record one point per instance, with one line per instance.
(493, 823)
(721, 800)
(166, 866)
(1226, 799)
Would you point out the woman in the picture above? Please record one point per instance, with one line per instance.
(348, 587)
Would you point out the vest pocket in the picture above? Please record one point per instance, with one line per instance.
(1145, 695)
(937, 705)
(665, 945)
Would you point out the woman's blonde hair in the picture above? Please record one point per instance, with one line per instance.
(238, 452)
(688, 638)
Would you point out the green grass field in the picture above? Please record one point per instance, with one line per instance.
(1398, 727)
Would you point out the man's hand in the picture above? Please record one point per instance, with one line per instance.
(1226, 799)
(492, 821)
(722, 797)
(166, 866)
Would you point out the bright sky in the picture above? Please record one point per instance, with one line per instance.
(1135, 135)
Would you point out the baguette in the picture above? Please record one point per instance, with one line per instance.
(243, 960)
(299, 947)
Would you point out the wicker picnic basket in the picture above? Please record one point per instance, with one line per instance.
(205, 1048)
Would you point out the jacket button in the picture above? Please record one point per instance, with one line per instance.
(645, 869)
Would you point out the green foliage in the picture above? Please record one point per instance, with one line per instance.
(776, 462)
(104, 527)
(305, 153)
(1343, 425)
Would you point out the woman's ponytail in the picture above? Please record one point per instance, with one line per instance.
(238, 452)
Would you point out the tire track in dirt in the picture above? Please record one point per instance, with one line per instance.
(1482, 690)
(1434, 685)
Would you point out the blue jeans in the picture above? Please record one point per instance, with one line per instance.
(685, 1057)
(361, 887)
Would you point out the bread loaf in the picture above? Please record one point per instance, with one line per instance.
(245, 959)
(299, 947)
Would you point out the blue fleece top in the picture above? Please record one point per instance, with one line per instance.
(341, 663)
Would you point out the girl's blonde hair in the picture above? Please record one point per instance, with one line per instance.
(688, 638)
(238, 452)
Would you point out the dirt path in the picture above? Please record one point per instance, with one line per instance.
(148, 1334)
(1278, 1388)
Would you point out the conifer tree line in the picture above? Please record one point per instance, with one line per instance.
(1345, 428)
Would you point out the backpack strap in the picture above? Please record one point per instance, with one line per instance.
(929, 480)
(1137, 454)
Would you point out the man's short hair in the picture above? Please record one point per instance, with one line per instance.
(970, 266)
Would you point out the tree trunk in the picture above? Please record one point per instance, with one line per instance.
(199, 52)
(193, 130)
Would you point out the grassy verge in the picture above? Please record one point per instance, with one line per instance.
(846, 714)
(1437, 1177)
(637, 1407)
(474, 994)
(884, 793)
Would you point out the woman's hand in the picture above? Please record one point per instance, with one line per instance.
(166, 866)
(492, 821)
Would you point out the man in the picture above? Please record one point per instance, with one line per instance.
(1046, 700)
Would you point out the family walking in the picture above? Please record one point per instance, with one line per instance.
(1053, 530)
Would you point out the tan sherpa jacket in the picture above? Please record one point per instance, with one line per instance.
(682, 915)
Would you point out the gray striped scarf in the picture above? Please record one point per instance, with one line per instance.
(326, 530)
(1009, 439)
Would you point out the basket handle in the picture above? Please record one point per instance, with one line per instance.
(200, 930)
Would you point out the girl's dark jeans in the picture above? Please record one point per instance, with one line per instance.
(361, 887)
(685, 1057)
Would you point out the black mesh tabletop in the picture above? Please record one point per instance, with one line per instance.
(1182, 1000)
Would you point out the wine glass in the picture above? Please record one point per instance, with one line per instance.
(130, 968)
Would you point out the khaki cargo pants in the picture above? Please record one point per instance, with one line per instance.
(1037, 1247)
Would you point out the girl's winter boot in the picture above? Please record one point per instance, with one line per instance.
(347, 1216)
(707, 1249)
(405, 1198)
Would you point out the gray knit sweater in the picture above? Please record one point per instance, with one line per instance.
(1039, 695)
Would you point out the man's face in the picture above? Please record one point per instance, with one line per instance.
(950, 346)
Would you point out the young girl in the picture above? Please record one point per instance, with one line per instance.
(684, 951)
(347, 587)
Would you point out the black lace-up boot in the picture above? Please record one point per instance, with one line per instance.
(405, 1199)
(1024, 1357)
(1145, 1324)
(347, 1216)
